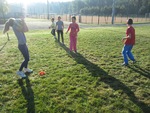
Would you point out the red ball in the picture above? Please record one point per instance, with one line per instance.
(41, 73)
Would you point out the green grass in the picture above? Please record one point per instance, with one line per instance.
(92, 81)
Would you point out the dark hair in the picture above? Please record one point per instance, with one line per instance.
(130, 21)
(73, 17)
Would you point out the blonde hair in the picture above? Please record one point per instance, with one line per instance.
(8, 23)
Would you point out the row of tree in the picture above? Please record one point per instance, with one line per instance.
(94, 7)
(3, 8)
(104, 7)
(84, 7)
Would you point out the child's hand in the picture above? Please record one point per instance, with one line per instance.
(123, 39)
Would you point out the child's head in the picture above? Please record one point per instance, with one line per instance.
(59, 18)
(52, 19)
(129, 21)
(73, 19)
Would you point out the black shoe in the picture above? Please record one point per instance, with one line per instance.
(134, 61)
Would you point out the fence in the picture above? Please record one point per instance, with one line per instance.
(95, 19)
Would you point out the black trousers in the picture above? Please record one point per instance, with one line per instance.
(53, 32)
(24, 50)
(62, 37)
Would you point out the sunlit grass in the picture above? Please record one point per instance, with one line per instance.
(92, 81)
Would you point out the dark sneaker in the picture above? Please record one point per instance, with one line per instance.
(134, 61)
(75, 51)
(26, 70)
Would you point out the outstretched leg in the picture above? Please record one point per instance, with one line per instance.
(24, 50)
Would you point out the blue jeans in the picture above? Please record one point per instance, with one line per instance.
(24, 50)
(126, 52)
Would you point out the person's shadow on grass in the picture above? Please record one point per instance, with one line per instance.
(28, 94)
(103, 76)
(3, 46)
(141, 71)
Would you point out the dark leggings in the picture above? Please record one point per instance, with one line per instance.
(62, 37)
(53, 32)
(24, 50)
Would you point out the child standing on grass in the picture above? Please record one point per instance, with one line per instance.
(19, 27)
(53, 27)
(73, 34)
(129, 41)
(60, 28)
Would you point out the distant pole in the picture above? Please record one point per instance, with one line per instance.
(48, 9)
(113, 12)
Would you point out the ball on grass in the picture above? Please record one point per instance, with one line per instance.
(41, 73)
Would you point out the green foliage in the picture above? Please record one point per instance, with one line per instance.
(92, 81)
(122, 7)
(3, 6)
(88, 7)
(3, 10)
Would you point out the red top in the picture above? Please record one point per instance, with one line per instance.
(74, 29)
(130, 31)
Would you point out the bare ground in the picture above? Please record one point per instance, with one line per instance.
(36, 24)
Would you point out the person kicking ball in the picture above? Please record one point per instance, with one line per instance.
(19, 27)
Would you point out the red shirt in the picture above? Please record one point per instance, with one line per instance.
(130, 31)
(74, 29)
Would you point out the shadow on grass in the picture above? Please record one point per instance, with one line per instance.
(3, 46)
(141, 71)
(28, 94)
(103, 76)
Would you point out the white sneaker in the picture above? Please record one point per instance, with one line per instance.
(21, 74)
(26, 70)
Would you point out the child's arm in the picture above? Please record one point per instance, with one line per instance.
(63, 26)
(128, 34)
(50, 26)
(68, 29)
(56, 27)
(78, 29)
(127, 37)
(25, 27)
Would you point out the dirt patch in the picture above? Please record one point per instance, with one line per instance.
(37, 24)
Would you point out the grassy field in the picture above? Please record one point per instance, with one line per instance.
(92, 81)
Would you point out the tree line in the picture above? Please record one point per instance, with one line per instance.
(3, 8)
(104, 7)
(83, 7)
(95, 7)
